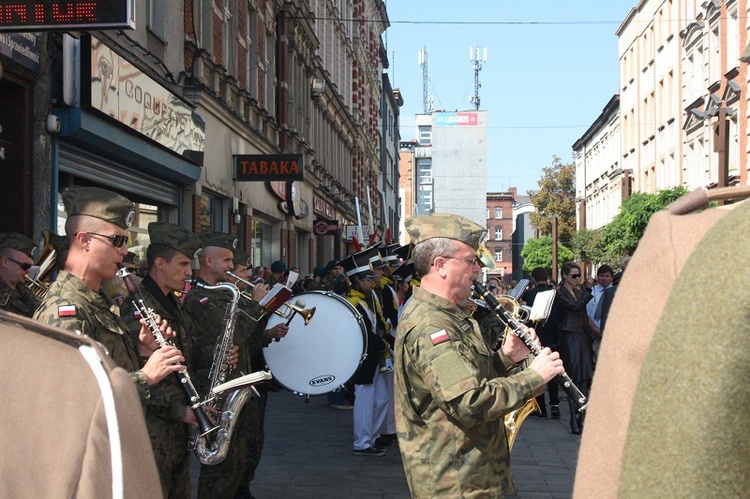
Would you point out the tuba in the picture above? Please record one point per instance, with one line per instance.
(46, 263)
(227, 398)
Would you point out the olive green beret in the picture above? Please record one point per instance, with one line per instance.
(241, 258)
(175, 237)
(219, 239)
(278, 266)
(99, 203)
(424, 227)
(18, 242)
(320, 271)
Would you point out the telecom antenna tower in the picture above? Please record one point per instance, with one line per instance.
(426, 101)
(477, 61)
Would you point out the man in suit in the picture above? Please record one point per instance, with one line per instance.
(664, 357)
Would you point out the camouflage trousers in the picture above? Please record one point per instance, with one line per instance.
(173, 462)
(224, 480)
(254, 438)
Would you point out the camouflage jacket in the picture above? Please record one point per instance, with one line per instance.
(207, 308)
(168, 402)
(17, 299)
(70, 304)
(452, 393)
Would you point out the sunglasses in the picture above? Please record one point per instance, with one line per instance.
(24, 266)
(575, 276)
(117, 241)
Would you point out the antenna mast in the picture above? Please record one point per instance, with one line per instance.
(425, 80)
(477, 61)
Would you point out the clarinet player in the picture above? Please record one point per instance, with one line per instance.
(96, 230)
(452, 391)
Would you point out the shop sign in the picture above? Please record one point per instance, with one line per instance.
(66, 15)
(115, 87)
(323, 227)
(24, 48)
(322, 207)
(456, 119)
(266, 167)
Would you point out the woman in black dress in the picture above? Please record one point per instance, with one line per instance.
(576, 348)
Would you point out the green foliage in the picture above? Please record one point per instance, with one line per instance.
(538, 253)
(621, 236)
(555, 196)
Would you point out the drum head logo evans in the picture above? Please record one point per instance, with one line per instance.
(322, 380)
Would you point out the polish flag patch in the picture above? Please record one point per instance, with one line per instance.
(66, 311)
(136, 314)
(204, 300)
(439, 337)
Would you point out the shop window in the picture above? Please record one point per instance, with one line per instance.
(260, 235)
(211, 212)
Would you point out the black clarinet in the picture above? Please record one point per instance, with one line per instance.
(578, 398)
(204, 423)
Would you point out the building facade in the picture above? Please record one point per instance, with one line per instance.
(164, 114)
(500, 225)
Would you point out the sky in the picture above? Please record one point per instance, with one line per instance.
(551, 68)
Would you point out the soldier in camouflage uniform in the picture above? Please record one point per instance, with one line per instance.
(16, 258)
(168, 417)
(96, 225)
(452, 392)
(207, 310)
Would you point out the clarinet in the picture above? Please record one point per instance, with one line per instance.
(204, 423)
(518, 329)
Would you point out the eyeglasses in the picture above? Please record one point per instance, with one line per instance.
(24, 266)
(117, 241)
(470, 261)
(575, 276)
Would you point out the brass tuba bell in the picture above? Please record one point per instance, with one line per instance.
(46, 263)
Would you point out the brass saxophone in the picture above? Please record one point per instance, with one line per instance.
(226, 398)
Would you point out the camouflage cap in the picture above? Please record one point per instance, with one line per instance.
(130, 258)
(241, 258)
(278, 266)
(320, 271)
(219, 239)
(18, 242)
(424, 227)
(99, 203)
(175, 237)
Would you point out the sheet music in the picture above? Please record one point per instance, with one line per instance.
(542, 306)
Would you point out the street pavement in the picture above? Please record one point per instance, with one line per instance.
(308, 454)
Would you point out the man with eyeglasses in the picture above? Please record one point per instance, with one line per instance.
(452, 391)
(95, 228)
(16, 251)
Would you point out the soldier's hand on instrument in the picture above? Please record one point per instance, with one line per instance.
(514, 347)
(190, 417)
(278, 331)
(147, 341)
(163, 362)
(547, 364)
(260, 291)
(234, 356)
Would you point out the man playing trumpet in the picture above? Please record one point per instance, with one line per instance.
(16, 251)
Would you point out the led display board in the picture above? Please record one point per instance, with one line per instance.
(58, 15)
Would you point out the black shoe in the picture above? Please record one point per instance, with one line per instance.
(554, 411)
(383, 442)
(370, 451)
(575, 432)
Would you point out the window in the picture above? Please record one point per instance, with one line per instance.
(498, 255)
(498, 213)
(211, 211)
(425, 135)
(251, 53)
(156, 9)
(488, 213)
(498, 233)
(260, 235)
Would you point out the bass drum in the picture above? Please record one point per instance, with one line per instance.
(317, 358)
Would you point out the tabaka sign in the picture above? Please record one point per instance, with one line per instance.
(53, 15)
(265, 167)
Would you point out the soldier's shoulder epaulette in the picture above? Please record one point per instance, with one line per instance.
(33, 326)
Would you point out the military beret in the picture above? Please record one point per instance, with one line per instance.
(331, 264)
(219, 239)
(99, 203)
(241, 258)
(424, 227)
(130, 258)
(175, 237)
(320, 271)
(278, 266)
(18, 242)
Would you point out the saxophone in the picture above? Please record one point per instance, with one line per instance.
(226, 398)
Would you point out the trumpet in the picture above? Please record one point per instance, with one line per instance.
(298, 307)
(46, 263)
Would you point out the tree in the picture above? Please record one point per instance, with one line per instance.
(538, 253)
(621, 236)
(556, 196)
